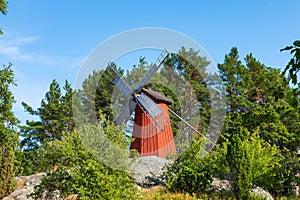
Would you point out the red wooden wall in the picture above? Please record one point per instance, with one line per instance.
(150, 140)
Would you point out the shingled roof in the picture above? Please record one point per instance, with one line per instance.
(157, 96)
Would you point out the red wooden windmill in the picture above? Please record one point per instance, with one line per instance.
(152, 130)
(153, 137)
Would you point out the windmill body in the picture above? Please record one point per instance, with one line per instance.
(149, 139)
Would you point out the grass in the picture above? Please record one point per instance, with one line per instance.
(166, 195)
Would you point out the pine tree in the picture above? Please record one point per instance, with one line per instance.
(95, 95)
(231, 72)
(55, 118)
(55, 115)
(189, 66)
(67, 108)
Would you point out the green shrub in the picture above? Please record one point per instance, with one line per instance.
(7, 161)
(79, 172)
(190, 172)
(252, 161)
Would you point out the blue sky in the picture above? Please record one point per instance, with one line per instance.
(48, 40)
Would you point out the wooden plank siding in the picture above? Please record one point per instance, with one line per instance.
(149, 139)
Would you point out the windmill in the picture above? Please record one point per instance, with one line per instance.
(152, 131)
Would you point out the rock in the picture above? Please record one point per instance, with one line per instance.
(148, 170)
(72, 197)
(262, 193)
(21, 194)
(25, 186)
(55, 195)
(21, 181)
(35, 179)
(221, 185)
(7, 198)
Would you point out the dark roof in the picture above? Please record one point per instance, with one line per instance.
(157, 96)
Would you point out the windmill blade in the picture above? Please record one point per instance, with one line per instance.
(149, 105)
(126, 112)
(152, 70)
(151, 109)
(189, 125)
(121, 84)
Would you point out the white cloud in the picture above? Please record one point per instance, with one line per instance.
(12, 48)
(34, 69)
(22, 40)
(18, 40)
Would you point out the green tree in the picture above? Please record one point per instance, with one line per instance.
(3, 10)
(189, 66)
(96, 94)
(259, 100)
(231, 72)
(55, 117)
(8, 133)
(293, 65)
(250, 83)
(3, 7)
(279, 124)
(137, 72)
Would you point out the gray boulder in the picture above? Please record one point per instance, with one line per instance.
(148, 170)
(262, 193)
(26, 187)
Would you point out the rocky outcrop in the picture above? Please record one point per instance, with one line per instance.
(147, 173)
(148, 170)
(25, 186)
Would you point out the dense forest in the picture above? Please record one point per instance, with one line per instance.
(257, 146)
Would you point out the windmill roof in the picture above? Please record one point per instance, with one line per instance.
(157, 96)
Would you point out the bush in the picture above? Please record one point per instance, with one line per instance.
(7, 161)
(252, 161)
(190, 172)
(80, 173)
